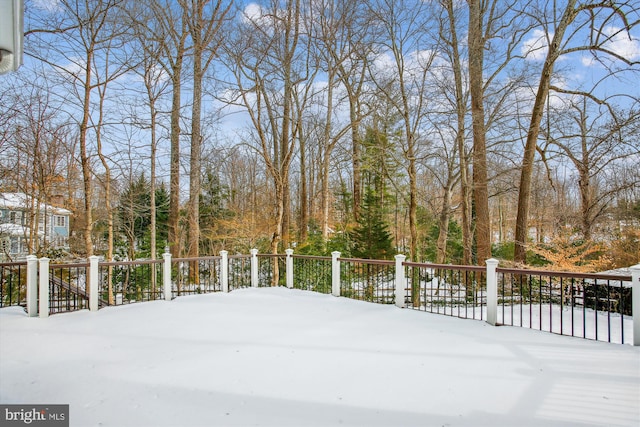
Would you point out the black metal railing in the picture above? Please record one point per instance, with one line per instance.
(191, 276)
(367, 280)
(591, 306)
(126, 282)
(312, 273)
(239, 271)
(271, 270)
(13, 283)
(458, 291)
(68, 287)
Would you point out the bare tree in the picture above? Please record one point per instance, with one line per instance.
(112, 68)
(496, 31)
(412, 55)
(334, 25)
(264, 62)
(477, 41)
(444, 168)
(39, 155)
(563, 37)
(165, 25)
(155, 85)
(204, 20)
(76, 43)
(599, 147)
(449, 38)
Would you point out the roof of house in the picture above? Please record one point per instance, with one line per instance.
(21, 201)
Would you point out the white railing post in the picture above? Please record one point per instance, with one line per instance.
(492, 291)
(94, 286)
(635, 303)
(254, 268)
(289, 267)
(224, 270)
(32, 285)
(166, 275)
(335, 274)
(43, 304)
(401, 281)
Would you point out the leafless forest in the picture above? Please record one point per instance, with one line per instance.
(450, 131)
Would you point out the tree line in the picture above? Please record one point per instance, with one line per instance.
(449, 131)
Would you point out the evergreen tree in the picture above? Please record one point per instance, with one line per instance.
(214, 197)
(133, 213)
(162, 217)
(134, 216)
(371, 238)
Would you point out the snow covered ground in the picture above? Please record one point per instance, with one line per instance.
(280, 357)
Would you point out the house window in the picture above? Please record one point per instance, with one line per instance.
(15, 217)
(59, 221)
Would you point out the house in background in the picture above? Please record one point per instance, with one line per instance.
(18, 215)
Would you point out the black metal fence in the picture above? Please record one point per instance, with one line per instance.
(191, 276)
(13, 283)
(68, 287)
(126, 282)
(312, 273)
(592, 306)
(272, 270)
(239, 271)
(458, 291)
(367, 280)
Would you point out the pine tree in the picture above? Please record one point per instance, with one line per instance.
(371, 238)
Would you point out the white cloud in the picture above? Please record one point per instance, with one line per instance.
(385, 65)
(535, 48)
(619, 42)
(253, 13)
(47, 5)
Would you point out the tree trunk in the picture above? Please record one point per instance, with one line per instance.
(524, 195)
(193, 247)
(193, 242)
(174, 180)
(326, 158)
(356, 161)
(107, 197)
(152, 199)
(476, 82)
(443, 222)
(413, 205)
(304, 207)
(85, 161)
(461, 109)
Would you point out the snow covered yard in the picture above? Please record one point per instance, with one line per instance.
(280, 357)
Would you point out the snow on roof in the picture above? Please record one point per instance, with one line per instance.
(21, 201)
